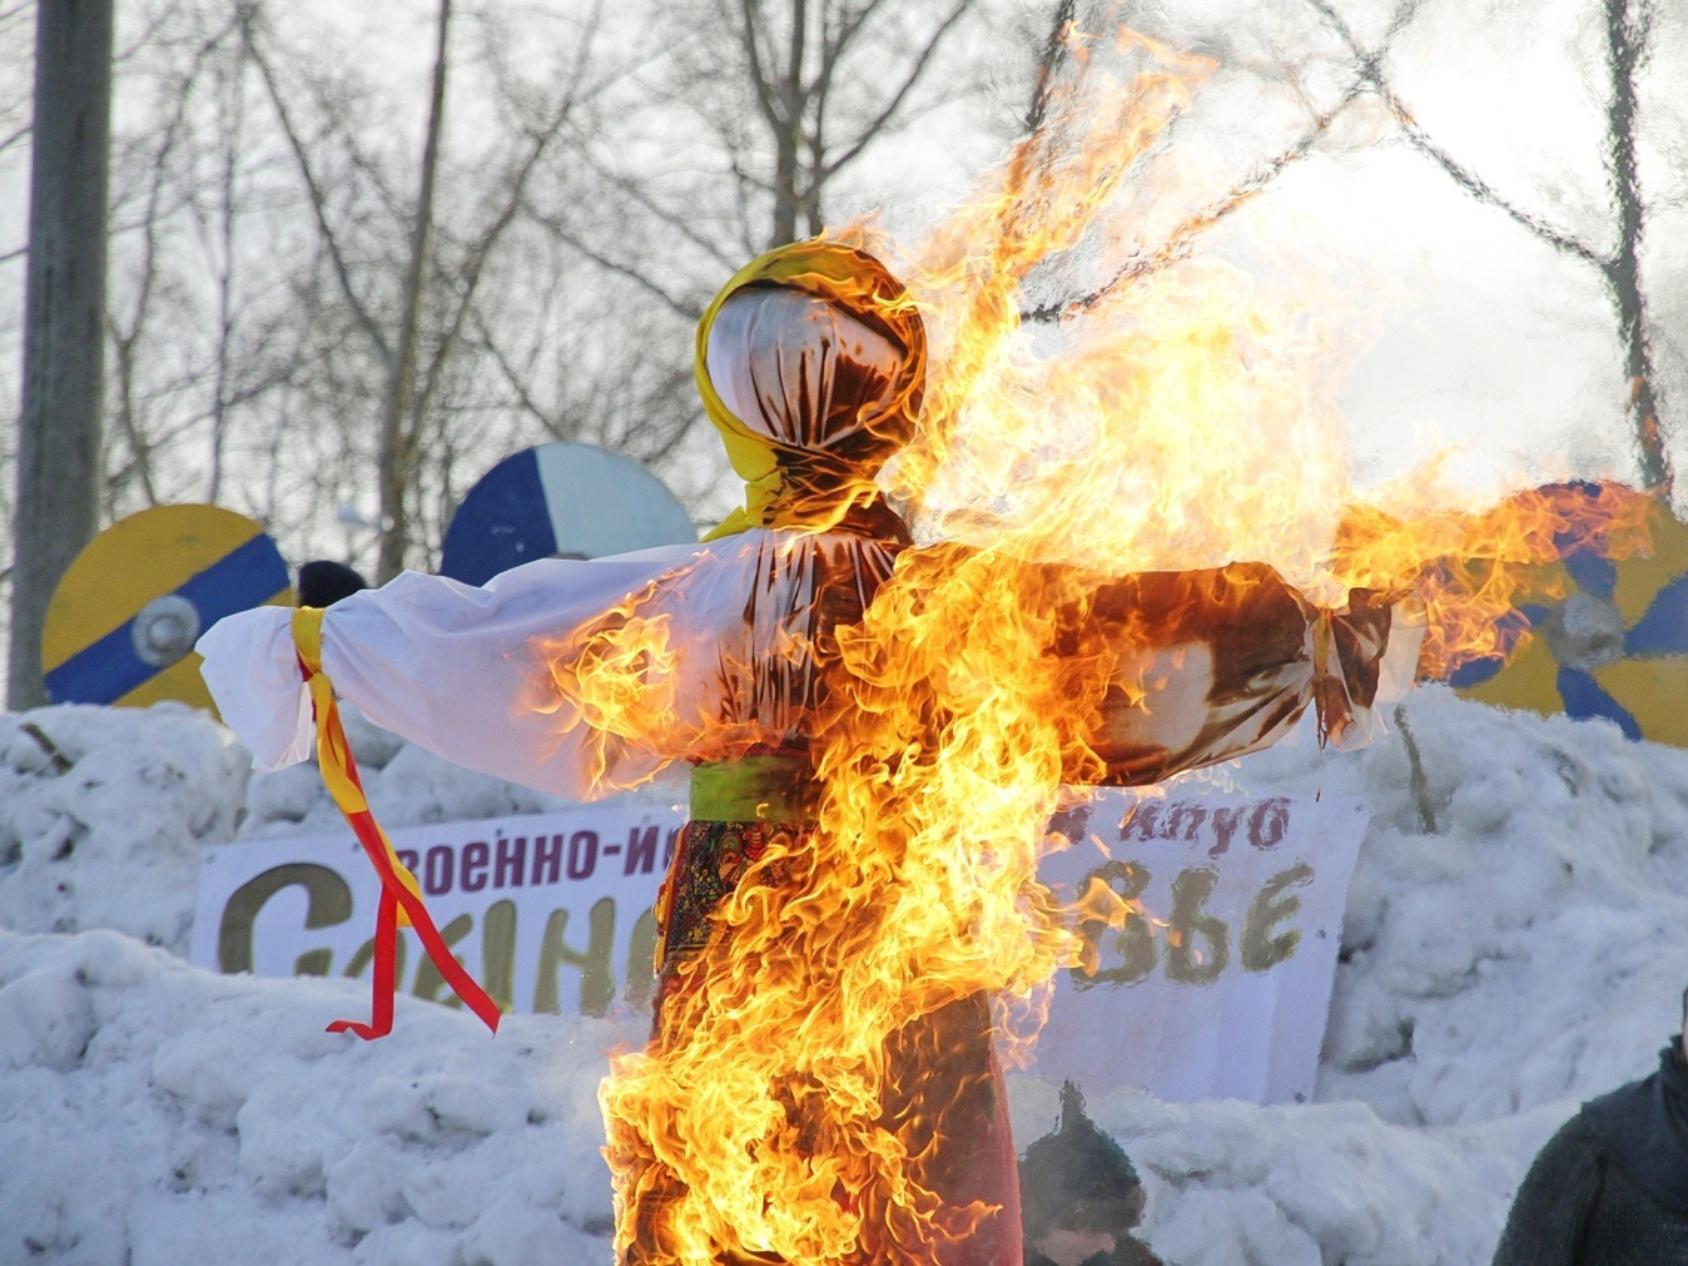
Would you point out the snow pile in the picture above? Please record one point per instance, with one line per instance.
(102, 813)
(1527, 952)
(406, 786)
(1230, 1184)
(172, 1116)
(1536, 947)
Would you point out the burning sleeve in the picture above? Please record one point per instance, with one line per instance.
(1210, 665)
(464, 672)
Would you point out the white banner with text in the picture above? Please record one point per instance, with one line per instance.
(1217, 987)
(550, 912)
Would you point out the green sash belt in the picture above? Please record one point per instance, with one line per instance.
(755, 789)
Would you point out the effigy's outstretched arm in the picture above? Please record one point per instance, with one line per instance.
(465, 672)
(1211, 665)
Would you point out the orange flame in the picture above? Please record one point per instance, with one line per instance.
(1183, 423)
(1470, 568)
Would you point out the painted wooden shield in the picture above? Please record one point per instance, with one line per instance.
(124, 619)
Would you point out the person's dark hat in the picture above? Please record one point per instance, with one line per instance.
(1078, 1178)
(323, 583)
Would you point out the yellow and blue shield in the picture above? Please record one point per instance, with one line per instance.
(124, 618)
(1607, 638)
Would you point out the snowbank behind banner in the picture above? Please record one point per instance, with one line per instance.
(1218, 989)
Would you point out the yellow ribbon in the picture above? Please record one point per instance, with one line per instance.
(334, 756)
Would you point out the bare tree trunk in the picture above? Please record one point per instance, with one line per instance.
(398, 456)
(225, 273)
(788, 138)
(816, 141)
(1627, 36)
(64, 321)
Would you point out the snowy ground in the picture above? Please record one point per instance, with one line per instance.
(1528, 952)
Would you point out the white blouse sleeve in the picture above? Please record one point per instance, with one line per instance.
(453, 668)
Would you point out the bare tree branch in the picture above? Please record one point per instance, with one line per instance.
(1371, 69)
(848, 28)
(1179, 241)
(125, 341)
(793, 83)
(158, 19)
(233, 129)
(398, 452)
(1628, 26)
(765, 100)
(1627, 31)
(675, 220)
(676, 385)
(140, 450)
(313, 189)
(540, 138)
(866, 136)
(1049, 64)
(683, 308)
(483, 247)
(514, 380)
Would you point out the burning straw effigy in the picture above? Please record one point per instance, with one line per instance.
(972, 568)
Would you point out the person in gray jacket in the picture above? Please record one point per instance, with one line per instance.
(1611, 1187)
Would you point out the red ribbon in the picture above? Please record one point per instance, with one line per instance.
(400, 902)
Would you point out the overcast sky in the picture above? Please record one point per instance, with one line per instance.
(1465, 330)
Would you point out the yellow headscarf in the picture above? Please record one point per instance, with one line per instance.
(788, 486)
